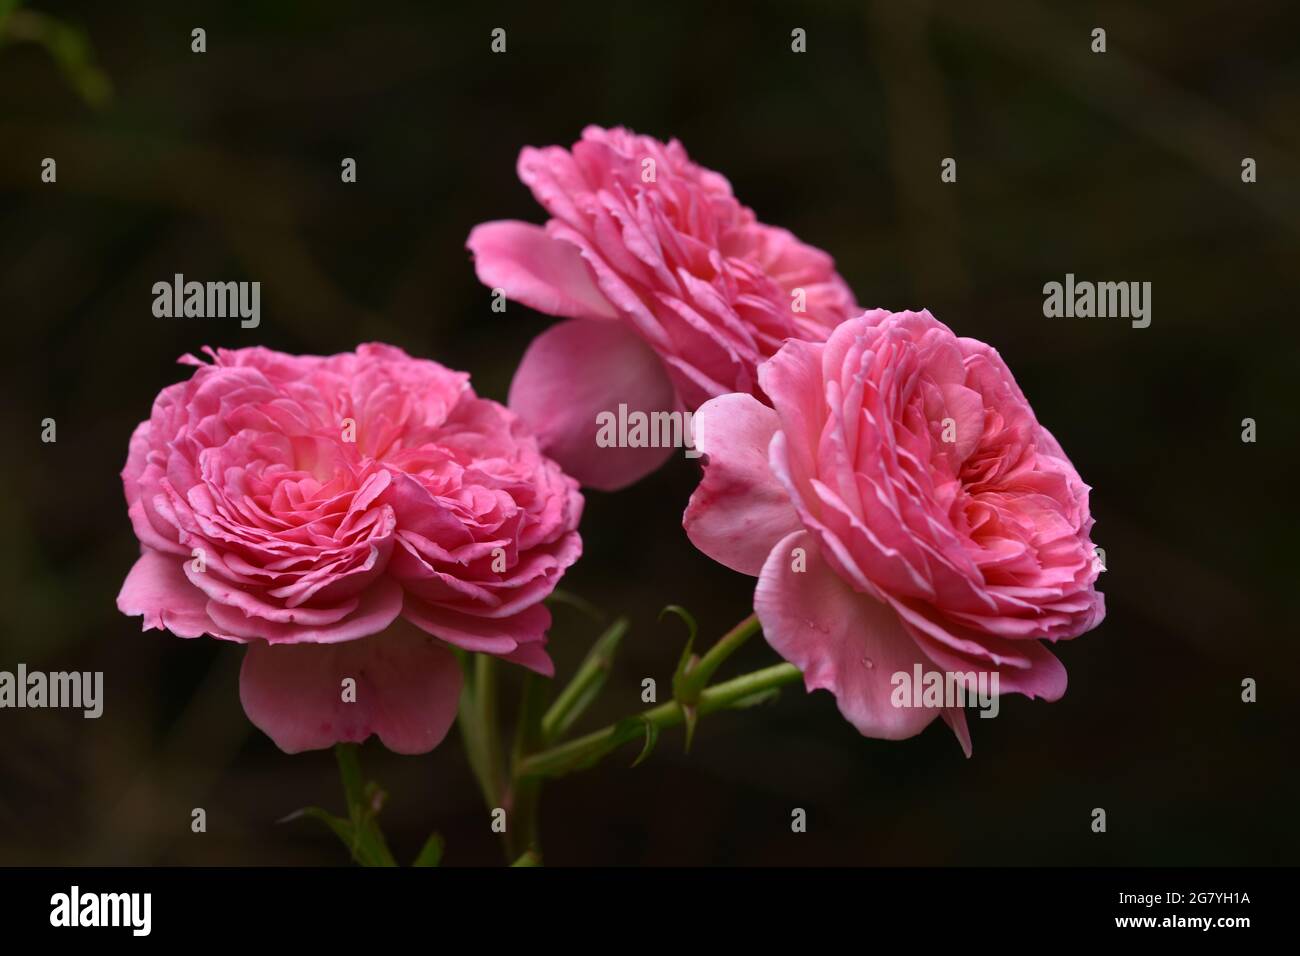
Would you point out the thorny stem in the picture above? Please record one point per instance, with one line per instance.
(529, 765)
(586, 750)
(697, 678)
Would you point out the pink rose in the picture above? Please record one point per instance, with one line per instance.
(338, 514)
(673, 291)
(900, 506)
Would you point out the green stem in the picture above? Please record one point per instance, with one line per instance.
(485, 705)
(586, 683)
(521, 827)
(586, 750)
(477, 722)
(525, 793)
(697, 678)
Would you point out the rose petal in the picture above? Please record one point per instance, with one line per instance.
(573, 372)
(376, 608)
(158, 588)
(407, 691)
(1023, 666)
(531, 267)
(740, 510)
(504, 636)
(843, 641)
(792, 379)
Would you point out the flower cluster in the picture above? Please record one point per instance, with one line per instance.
(354, 517)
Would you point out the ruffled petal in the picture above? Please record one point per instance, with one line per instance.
(581, 369)
(740, 510)
(407, 691)
(157, 587)
(843, 641)
(531, 267)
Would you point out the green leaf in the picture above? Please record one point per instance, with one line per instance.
(342, 828)
(531, 858)
(372, 848)
(367, 849)
(66, 45)
(561, 596)
(686, 659)
(585, 686)
(629, 728)
(365, 840)
(431, 852)
(684, 665)
(370, 838)
(691, 627)
(651, 738)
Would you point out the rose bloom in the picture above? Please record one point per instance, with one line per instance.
(673, 292)
(348, 516)
(900, 505)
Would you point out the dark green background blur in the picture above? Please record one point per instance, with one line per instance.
(1123, 166)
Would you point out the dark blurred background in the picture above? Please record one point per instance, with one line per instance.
(1122, 166)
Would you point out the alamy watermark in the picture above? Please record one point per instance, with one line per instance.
(179, 299)
(937, 689)
(77, 690)
(75, 908)
(1085, 300)
(637, 429)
